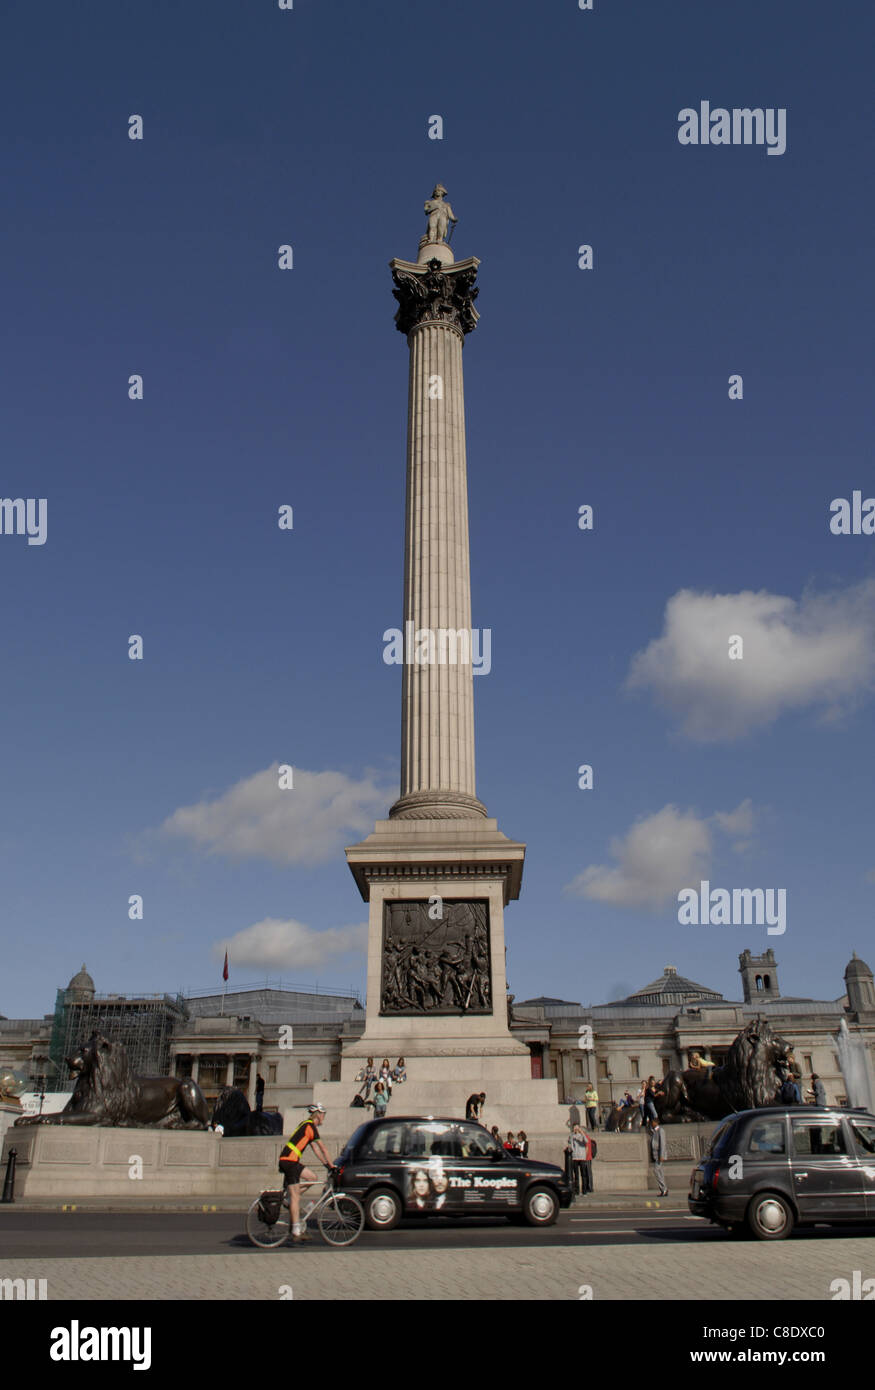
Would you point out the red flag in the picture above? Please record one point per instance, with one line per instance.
(225, 968)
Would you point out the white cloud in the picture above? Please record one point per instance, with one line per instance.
(816, 651)
(739, 822)
(255, 819)
(661, 854)
(656, 858)
(288, 945)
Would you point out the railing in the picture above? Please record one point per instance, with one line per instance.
(283, 985)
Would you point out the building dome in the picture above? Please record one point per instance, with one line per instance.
(860, 985)
(857, 969)
(81, 987)
(672, 988)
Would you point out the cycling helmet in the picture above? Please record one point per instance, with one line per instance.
(316, 1109)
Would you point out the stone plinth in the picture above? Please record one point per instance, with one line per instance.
(407, 860)
(70, 1161)
(8, 1115)
(435, 251)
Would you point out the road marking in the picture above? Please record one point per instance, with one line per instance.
(638, 1219)
(618, 1231)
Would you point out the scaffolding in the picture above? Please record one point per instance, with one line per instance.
(143, 1024)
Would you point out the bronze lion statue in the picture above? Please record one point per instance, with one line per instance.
(758, 1063)
(232, 1112)
(107, 1093)
(623, 1118)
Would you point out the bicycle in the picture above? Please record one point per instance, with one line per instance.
(339, 1216)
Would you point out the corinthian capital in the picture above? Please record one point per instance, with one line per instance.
(430, 294)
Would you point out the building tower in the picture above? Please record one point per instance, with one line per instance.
(759, 977)
(438, 873)
(860, 986)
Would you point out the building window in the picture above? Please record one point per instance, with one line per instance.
(213, 1070)
(183, 1066)
(666, 1065)
(335, 1072)
(578, 1069)
(633, 1067)
(241, 1071)
(603, 1068)
(302, 1073)
(759, 982)
(271, 1071)
(553, 1072)
(807, 1062)
(767, 981)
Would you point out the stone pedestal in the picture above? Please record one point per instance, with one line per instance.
(8, 1115)
(64, 1162)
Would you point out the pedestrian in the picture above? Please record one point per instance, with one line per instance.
(790, 1093)
(658, 1153)
(386, 1075)
(522, 1144)
(581, 1161)
(399, 1071)
(510, 1143)
(495, 1134)
(474, 1105)
(651, 1091)
(591, 1101)
(818, 1090)
(380, 1101)
(259, 1091)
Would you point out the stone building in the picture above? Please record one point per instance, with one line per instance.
(295, 1037)
(659, 1027)
(292, 1037)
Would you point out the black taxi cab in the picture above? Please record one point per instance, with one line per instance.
(432, 1166)
(769, 1170)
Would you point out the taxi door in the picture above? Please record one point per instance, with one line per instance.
(863, 1131)
(432, 1184)
(827, 1179)
(490, 1175)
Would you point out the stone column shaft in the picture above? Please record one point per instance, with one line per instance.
(437, 711)
(437, 728)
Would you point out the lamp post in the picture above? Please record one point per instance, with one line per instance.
(40, 1078)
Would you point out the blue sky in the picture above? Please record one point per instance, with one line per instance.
(263, 387)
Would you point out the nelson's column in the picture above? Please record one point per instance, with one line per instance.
(438, 873)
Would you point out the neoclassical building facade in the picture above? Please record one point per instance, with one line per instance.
(659, 1027)
(293, 1038)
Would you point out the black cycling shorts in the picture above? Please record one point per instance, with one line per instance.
(291, 1172)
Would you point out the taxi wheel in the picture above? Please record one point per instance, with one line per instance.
(770, 1216)
(540, 1206)
(382, 1209)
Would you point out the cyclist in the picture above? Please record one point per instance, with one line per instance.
(292, 1165)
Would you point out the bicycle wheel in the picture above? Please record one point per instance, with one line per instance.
(263, 1234)
(341, 1219)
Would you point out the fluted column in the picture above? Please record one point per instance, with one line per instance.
(437, 717)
